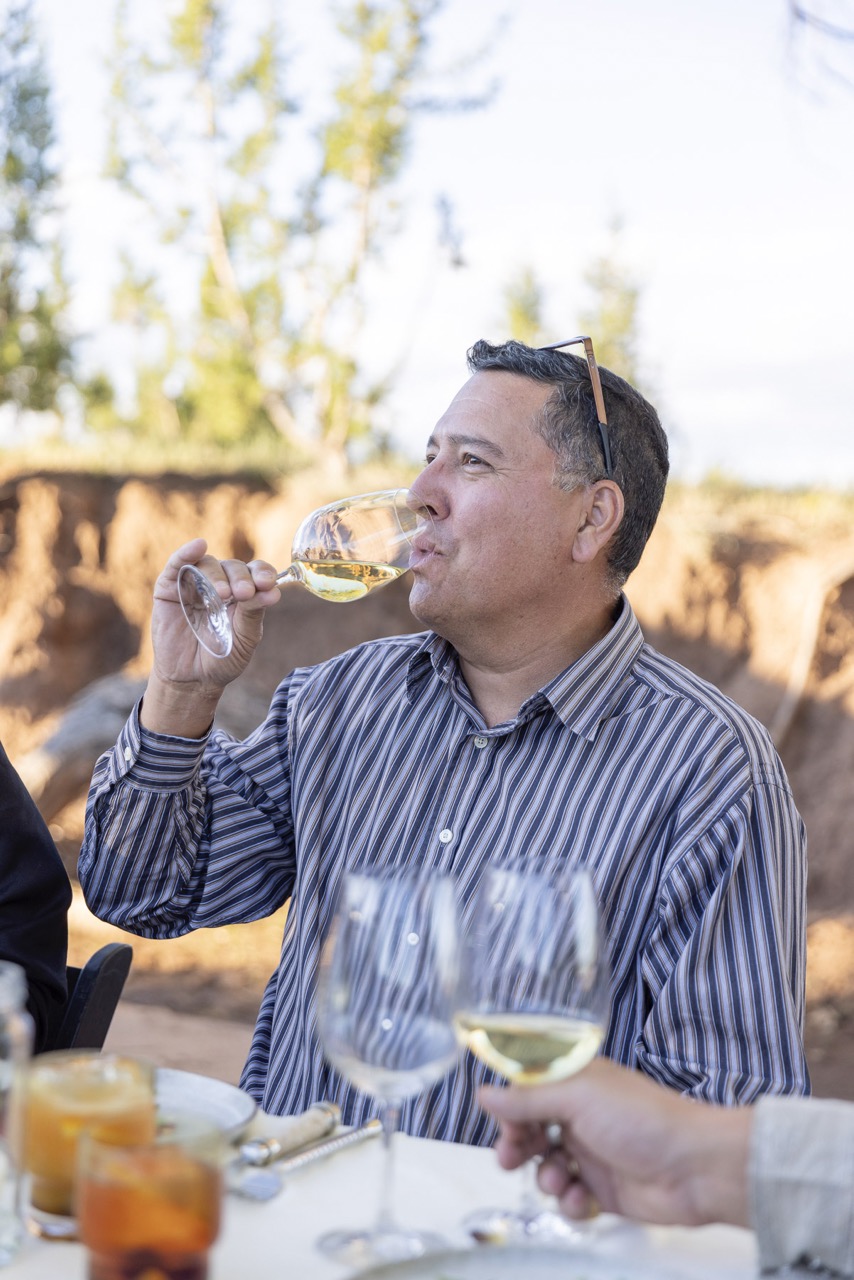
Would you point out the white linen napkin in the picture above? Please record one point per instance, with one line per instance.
(289, 1133)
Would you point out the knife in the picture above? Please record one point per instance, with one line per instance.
(329, 1146)
(322, 1117)
(263, 1181)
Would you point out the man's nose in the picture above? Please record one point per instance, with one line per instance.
(428, 491)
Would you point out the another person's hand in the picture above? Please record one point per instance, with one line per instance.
(628, 1145)
(183, 672)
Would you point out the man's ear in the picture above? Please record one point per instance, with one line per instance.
(600, 518)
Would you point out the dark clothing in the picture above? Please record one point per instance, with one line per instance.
(35, 895)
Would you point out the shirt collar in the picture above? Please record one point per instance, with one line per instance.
(585, 692)
(581, 696)
(433, 654)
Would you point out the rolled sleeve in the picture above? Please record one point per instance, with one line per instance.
(186, 833)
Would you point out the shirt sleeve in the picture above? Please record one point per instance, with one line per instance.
(802, 1183)
(183, 833)
(725, 965)
(35, 895)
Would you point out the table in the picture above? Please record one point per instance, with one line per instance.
(436, 1184)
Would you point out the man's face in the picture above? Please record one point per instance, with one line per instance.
(503, 532)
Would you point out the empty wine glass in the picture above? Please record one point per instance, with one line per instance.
(389, 971)
(533, 1001)
(340, 552)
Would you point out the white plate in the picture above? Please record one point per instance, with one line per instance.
(184, 1091)
(516, 1262)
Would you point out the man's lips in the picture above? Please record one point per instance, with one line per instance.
(423, 549)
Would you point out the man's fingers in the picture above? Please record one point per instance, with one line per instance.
(190, 553)
(255, 582)
(540, 1104)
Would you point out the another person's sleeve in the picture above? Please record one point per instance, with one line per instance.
(35, 895)
(802, 1183)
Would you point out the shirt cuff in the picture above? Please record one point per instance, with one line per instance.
(802, 1182)
(156, 760)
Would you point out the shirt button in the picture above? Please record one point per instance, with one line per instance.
(127, 753)
(480, 742)
(446, 836)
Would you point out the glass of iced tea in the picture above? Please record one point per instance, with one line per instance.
(153, 1208)
(64, 1095)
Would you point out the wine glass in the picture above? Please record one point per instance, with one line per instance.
(389, 973)
(340, 552)
(533, 1001)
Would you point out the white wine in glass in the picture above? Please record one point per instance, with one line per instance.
(533, 1000)
(530, 1048)
(340, 552)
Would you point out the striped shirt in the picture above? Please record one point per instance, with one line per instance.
(670, 794)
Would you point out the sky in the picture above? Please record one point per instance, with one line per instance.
(721, 141)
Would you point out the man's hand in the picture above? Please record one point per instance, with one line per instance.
(186, 681)
(627, 1144)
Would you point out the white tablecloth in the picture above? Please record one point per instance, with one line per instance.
(436, 1184)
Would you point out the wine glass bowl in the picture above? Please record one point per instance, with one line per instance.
(340, 552)
(386, 995)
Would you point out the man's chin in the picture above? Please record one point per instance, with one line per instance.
(420, 605)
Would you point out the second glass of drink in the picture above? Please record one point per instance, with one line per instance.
(533, 999)
(385, 1018)
(152, 1209)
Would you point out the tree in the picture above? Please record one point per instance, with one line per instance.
(35, 353)
(612, 319)
(279, 256)
(523, 301)
(193, 138)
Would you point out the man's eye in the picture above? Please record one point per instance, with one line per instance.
(471, 459)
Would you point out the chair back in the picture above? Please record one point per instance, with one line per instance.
(93, 994)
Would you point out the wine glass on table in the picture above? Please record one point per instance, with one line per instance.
(389, 972)
(532, 1003)
(340, 552)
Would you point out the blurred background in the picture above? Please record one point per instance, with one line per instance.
(243, 250)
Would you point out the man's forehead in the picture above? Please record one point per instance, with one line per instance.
(492, 403)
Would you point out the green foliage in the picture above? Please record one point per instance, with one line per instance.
(612, 320)
(276, 259)
(523, 302)
(194, 137)
(35, 354)
(366, 141)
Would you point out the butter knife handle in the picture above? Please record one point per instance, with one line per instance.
(329, 1147)
(263, 1151)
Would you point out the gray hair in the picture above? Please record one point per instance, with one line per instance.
(568, 423)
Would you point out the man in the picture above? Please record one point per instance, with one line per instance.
(784, 1167)
(530, 719)
(35, 895)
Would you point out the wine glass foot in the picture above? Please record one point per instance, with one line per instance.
(505, 1226)
(360, 1249)
(205, 611)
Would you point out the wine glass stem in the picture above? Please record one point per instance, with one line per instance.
(287, 575)
(531, 1204)
(390, 1116)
